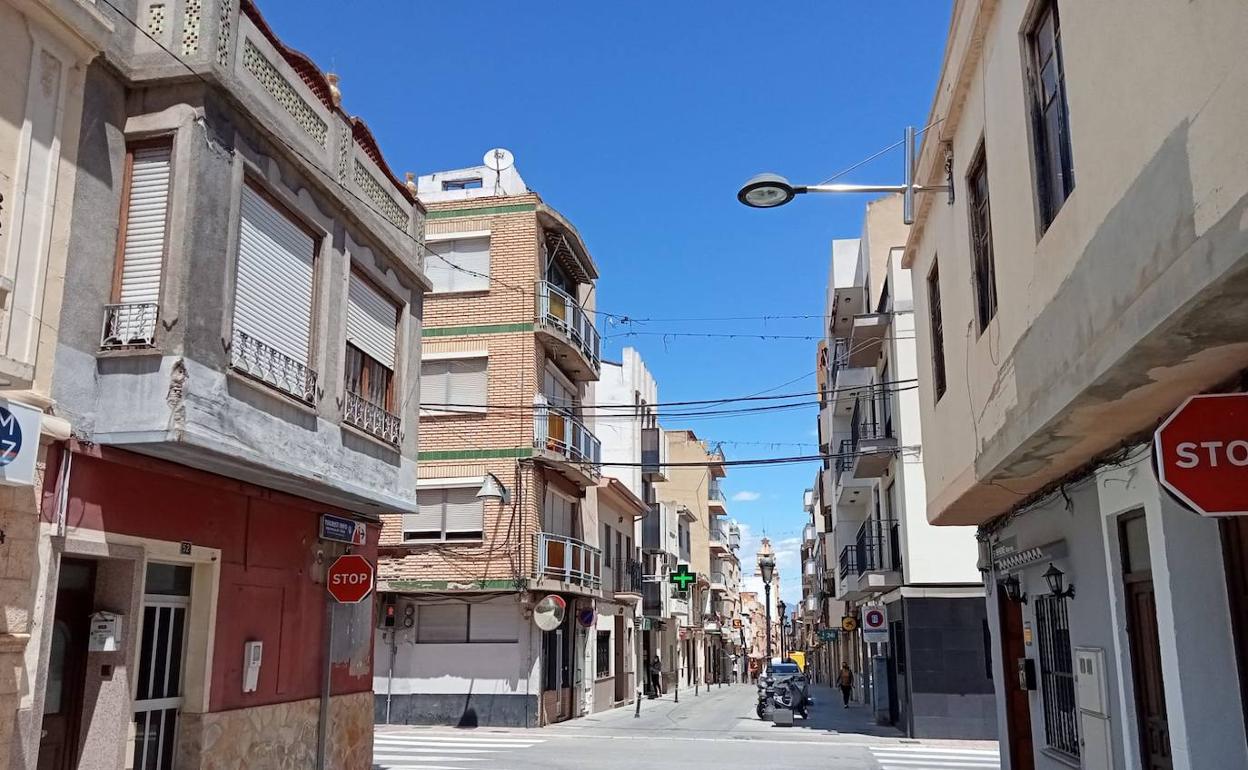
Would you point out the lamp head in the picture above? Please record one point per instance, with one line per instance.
(493, 489)
(766, 191)
(1056, 580)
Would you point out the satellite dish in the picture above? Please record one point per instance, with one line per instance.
(499, 159)
(549, 612)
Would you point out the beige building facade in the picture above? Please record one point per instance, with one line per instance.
(45, 49)
(1089, 277)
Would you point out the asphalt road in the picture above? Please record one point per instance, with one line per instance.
(713, 729)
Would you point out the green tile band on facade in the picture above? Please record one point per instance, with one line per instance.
(474, 454)
(481, 212)
(451, 585)
(460, 331)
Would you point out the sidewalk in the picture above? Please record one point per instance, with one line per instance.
(829, 715)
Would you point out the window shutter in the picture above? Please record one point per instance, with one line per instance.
(428, 517)
(147, 213)
(494, 621)
(464, 511)
(372, 321)
(459, 265)
(443, 623)
(467, 384)
(273, 296)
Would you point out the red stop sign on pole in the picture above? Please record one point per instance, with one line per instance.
(349, 579)
(1202, 454)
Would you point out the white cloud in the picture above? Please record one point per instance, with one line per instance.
(746, 496)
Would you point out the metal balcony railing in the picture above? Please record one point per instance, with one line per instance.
(808, 533)
(267, 364)
(558, 310)
(849, 561)
(713, 492)
(878, 546)
(132, 324)
(845, 455)
(557, 429)
(370, 418)
(838, 359)
(719, 578)
(719, 533)
(568, 559)
(654, 529)
(628, 577)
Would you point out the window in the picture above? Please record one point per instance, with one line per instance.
(1057, 679)
(461, 184)
(606, 546)
(491, 622)
(1055, 175)
(447, 513)
(372, 325)
(273, 295)
(459, 264)
(559, 514)
(938, 330)
(453, 386)
(141, 244)
(981, 240)
(602, 654)
(442, 624)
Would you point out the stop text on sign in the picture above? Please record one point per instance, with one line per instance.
(1202, 454)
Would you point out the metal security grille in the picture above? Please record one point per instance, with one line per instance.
(159, 694)
(1057, 677)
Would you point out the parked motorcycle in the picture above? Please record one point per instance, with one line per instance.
(782, 687)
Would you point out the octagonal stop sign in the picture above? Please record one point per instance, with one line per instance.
(349, 579)
(1202, 454)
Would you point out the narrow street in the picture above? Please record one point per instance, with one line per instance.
(713, 729)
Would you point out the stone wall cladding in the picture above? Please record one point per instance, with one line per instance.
(281, 736)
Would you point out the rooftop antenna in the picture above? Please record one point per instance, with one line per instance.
(499, 160)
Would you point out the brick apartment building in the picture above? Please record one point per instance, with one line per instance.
(509, 350)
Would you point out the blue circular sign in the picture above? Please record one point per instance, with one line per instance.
(10, 437)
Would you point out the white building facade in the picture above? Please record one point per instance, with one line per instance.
(926, 670)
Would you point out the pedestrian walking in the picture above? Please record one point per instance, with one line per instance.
(656, 676)
(846, 682)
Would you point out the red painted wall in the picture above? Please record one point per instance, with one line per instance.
(269, 586)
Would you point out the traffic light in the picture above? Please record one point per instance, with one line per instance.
(409, 615)
(387, 610)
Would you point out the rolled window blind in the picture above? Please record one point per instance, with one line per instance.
(273, 297)
(372, 321)
(147, 214)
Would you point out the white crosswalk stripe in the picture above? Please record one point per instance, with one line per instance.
(428, 750)
(931, 758)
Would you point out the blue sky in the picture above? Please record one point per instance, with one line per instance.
(639, 121)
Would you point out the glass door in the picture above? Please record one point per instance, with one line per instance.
(162, 650)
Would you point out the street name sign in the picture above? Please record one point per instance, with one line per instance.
(1202, 454)
(349, 579)
(340, 529)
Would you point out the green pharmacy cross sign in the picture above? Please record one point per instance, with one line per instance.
(682, 577)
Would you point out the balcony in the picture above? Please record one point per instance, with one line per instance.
(848, 302)
(129, 325)
(867, 338)
(255, 359)
(561, 439)
(716, 501)
(877, 557)
(808, 534)
(626, 581)
(718, 538)
(653, 454)
(658, 529)
(719, 581)
(849, 385)
(565, 563)
(734, 537)
(361, 413)
(567, 328)
(653, 598)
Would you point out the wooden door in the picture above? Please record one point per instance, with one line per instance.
(67, 665)
(1017, 703)
(1150, 691)
(1235, 556)
(621, 675)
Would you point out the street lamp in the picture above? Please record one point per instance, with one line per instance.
(1055, 577)
(780, 605)
(767, 568)
(767, 191)
(493, 489)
